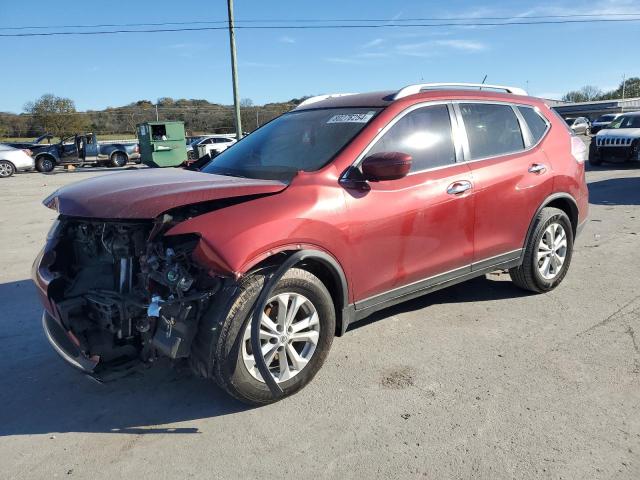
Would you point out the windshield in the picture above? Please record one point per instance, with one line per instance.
(626, 121)
(305, 140)
(605, 118)
(569, 121)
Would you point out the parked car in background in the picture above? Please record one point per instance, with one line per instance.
(38, 144)
(210, 145)
(580, 125)
(13, 160)
(84, 149)
(619, 142)
(344, 206)
(603, 121)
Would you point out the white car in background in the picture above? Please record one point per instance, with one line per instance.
(209, 144)
(13, 160)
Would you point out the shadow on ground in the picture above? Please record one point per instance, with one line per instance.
(479, 289)
(45, 396)
(41, 394)
(615, 191)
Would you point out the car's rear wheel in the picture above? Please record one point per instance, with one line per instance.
(6, 169)
(547, 255)
(45, 164)
(118, 159)
(296, 332)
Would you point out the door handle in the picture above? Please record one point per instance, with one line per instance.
(461, 186)
(537, 168)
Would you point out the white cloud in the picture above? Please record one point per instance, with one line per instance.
(438, 47)
(372, 55)
(464, 45)
(287, 39)
(376, 42)
(343, 60)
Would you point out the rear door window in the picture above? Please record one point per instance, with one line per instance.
(537, 125)
(492, 129)
(425, 134)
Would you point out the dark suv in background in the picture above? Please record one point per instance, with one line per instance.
(337, 209)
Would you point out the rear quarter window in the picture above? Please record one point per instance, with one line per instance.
(492, 129)
(537, 125)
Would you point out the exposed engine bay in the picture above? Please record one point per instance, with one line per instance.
(125, 293)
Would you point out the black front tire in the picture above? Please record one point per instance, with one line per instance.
(527, 276)
(217, 348)
(118, 160)
(45, 164)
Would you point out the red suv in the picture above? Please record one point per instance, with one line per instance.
(341, 207)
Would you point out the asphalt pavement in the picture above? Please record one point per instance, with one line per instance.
(480, 380)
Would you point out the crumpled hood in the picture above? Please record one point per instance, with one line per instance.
(146, 193)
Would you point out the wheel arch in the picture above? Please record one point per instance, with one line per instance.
(561, 201)
(329, 272)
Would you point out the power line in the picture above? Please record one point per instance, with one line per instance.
(326, 20)
(324, 27)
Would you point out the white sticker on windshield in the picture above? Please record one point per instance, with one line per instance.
(352, 117)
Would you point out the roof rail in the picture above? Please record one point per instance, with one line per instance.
(418, 87)
(319, 98)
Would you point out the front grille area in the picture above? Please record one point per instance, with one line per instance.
(613, 141)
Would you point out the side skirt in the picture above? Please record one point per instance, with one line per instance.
(364, 308)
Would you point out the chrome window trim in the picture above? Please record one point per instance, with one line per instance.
(455, 130)
(513, 105)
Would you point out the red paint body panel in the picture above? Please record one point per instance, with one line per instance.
(405, 230)
(394, 234)
(147, 193)
(504, 189)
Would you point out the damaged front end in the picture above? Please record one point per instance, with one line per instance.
(120, 293)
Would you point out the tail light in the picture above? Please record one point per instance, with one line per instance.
(579, 149)
(27, 151)
(137, 149)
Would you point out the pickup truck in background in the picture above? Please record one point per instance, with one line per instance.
(84, 149)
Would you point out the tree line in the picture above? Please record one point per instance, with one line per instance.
(58, 116)
(630, 88)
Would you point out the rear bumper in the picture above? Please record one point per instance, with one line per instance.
(64, 345)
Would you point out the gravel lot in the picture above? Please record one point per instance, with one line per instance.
(476, 381)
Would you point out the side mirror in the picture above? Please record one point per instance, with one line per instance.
(386, 166)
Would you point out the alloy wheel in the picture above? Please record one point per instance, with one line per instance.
(552, 251)
(289, 333)
(6, 170)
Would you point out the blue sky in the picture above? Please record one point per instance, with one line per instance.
(276, 65)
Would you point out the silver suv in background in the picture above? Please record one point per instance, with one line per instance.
(579, 125)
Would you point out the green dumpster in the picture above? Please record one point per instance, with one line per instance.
(162, 144)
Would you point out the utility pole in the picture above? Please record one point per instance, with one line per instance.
(157, 117)
(624, 84)
(234, 71)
